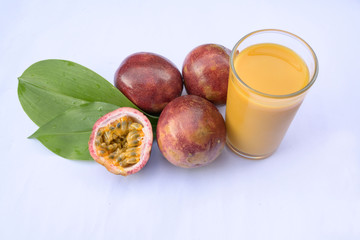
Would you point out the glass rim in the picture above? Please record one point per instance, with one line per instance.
(306, 87)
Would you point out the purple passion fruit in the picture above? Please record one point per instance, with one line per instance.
(121, 141)
(150, 81)
(190, 132)
(206, 72)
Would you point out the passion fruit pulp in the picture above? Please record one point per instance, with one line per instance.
(121, 141)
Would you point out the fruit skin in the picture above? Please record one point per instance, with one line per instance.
(146, 145)
(190, 132)
(206, 72)
(149, 80)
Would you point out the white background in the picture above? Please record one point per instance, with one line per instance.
(309, 189)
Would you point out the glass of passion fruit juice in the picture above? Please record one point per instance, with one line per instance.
(270, 73)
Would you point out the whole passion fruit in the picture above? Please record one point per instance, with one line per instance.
(121, 141)
(206, 72)
(149, 80)
(190, 132)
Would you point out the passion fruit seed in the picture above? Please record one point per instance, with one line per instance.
(120, 142)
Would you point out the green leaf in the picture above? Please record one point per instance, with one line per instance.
(48, 88)
(68, 134)
(65, 99)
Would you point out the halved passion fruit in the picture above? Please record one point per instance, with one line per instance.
(121, 141)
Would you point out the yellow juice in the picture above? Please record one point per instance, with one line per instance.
(257, 117)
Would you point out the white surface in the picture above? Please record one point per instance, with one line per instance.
(309, 189)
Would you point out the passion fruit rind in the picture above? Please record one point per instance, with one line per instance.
(190, 132)
(149, 80)
(206, 72)
(121, 141)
